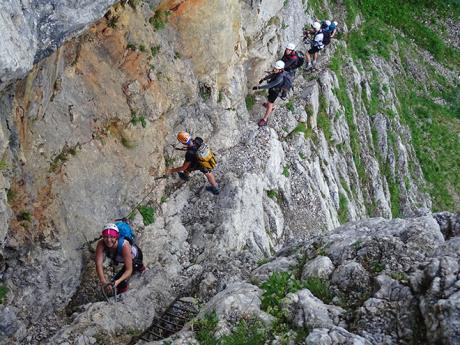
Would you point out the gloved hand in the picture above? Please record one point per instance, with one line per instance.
(255, 88)
(261, 81)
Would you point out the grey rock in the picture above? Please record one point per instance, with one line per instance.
(334, 336)
(33, 30)
(321, 267)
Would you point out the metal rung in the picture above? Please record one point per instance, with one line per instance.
(172, 323)
(175, 316)
(163, 328)
(182, 308)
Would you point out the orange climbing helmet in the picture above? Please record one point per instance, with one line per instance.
(184, 137)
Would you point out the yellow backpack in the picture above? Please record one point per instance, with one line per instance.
(204, 156)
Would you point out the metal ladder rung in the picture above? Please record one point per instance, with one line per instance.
(171, 323)
(175, 316)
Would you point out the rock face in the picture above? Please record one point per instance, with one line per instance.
(32, 30)
(84, 135)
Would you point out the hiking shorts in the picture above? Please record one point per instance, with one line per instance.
(314, 50)
(194, 168)
(138, 266)
(273, 95)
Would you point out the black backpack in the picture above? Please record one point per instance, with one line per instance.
(326, 37)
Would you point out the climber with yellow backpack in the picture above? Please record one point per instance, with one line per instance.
(198, 156)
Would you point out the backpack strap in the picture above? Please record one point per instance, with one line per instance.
(121, 241)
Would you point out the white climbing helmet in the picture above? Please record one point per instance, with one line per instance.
(328, 22)
(316, 25)
(290, 46)
(278, 64)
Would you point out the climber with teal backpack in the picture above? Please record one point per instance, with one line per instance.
(198, 156)
(117, 243)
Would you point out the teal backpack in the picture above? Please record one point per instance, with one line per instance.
(125, 232)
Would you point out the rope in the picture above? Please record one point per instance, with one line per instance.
(145, 197)
(114, 290)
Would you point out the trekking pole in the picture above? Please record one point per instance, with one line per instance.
(145, 197)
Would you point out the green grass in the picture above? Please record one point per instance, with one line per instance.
(112, 22)
(205, 91)
(285, 171)
(62, 157)
(24, 216)
(250, 101)
(318, 8)
(290, 105)
(275, 288)
(303, 128)
(273, 194)
(142, 48)
(159, 19)
(155, 50)
(131, 46)
(410, 18)
(3, 165)
(435, 138)
(245, 332)
(148, 214)
(343, 213)
(3, 292)
(319, 288)
(138, 119)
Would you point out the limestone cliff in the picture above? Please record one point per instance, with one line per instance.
(84, 134)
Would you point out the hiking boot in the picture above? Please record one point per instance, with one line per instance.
(262, 122)
(213, 190)
(184, 176)
(283, 96)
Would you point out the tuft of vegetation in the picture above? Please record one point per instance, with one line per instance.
(205, 91)
(250, 101)
(273, 194)
(112, 22)
(148, 214)
(129, 144)
(142, 47)
(262, 261)
(159, 19)
(290, 105)
(155, 50)
(319, 288)
(25, 216)
(63, 156)
(131, 46)
(138, 119)
(3, 292)
(276, 287)
(377, 266)
(246, 332)
(286, 171)
(3, 165)
(399, 276)
(10, 195)
(343, 213)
